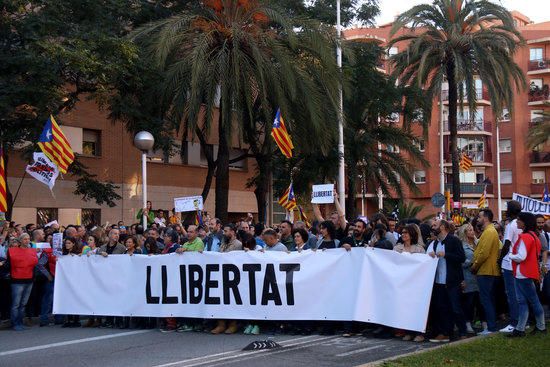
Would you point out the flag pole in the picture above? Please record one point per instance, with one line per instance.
(441, 154)
(341, 162)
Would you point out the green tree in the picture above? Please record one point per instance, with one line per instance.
(241, 57)
(540, 133)
(456, 41)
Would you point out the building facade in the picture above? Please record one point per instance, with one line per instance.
(107, 149)
(523, 171)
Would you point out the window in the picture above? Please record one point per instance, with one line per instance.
(397, 177)
(505, 115)
(419, 177)
(536, 115)
(91, 217)
(473, 146)
(505, 145)
(420, 144)
(157, 156)
(45, 216)
(91, 142)
(393, 117)
(506, 177)
(539, 177)
(535, 54)
(392, 149)
(177, 155)
(235, 153)
(536, 84)
(393, 51)
(474, 175)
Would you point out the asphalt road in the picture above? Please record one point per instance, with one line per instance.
(55, 346)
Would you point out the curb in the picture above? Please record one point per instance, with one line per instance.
(458, 342)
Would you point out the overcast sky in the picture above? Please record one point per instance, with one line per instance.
(537, 10)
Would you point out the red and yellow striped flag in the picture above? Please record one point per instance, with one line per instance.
(3, 187)
(55, 145)
(482, 202)
(288, 200)
(281, 136)
(465, 162)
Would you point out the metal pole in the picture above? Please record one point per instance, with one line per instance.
(499, 193)
(341, 163)
(441, 155)
(144, 182)
(363, 195)
(380, 193)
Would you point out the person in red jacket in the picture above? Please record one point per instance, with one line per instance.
(525, 265)
(21, 261)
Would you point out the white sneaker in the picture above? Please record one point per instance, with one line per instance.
(484, 332)
(507, 329)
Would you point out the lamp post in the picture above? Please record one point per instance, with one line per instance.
(341, 162)
(144, 141)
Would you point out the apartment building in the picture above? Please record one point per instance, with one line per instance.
(523, 170)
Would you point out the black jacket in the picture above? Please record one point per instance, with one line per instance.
(455, 256)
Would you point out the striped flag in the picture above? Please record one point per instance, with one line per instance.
(3, 187)
(303, 217)
(55, 145)
(288, 200)
(465, 162)
(482, 202)
(281, 136)
(198, 218)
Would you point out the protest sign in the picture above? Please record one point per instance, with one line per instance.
(322, 194)
(43, 170)
(188, 204)
(531, 205)
(57, 244)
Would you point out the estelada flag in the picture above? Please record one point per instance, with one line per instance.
(3, 187)
(55, 145)
(288, 200)
(281, 136)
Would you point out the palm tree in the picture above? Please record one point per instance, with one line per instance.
(457, 41)
(238, 57)
(540, 133)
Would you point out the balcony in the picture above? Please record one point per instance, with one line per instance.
(539, 159)
(471, 188)
(536, 67)
(478, 158)
(538, 95)
(482, 96)
(469, 126)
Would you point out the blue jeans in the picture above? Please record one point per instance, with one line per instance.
(20, 293)
(526, 293)
(546, 288)
(46, 305)
(509, 286)
(486, 284)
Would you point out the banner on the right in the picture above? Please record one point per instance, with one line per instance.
(531, 205)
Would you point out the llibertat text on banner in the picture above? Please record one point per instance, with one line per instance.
(364, 284)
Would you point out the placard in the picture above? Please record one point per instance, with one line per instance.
(322, 194)
(188, 204)
(57, 243)
(43, 245)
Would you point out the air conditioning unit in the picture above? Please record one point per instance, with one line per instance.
(538, 180)
(542, 64)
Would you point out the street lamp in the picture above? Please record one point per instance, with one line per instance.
(144, 141)
(341, 162)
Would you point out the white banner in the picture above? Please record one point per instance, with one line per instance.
(531, 205)
(188, 204)
(370, 285)
(322, 194)
(43, 170)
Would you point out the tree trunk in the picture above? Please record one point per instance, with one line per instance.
(453, 97)
(209, 154)
(351, 212)
(262, 186)
(222, 171)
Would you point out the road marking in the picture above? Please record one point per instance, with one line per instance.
(293, 347)
(362, 350)
(239, 353)
(77, 341)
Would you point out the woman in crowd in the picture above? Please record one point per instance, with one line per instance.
(328, 236)
(525, 265)
(132, 247)
(71, 248)
(409, 238)
(92, 247)
(470, 297)
(21, 260)
(301, 238)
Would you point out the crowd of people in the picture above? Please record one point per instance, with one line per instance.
(489, 274)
